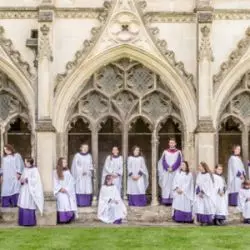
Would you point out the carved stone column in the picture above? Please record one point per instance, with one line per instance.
(94, 143)
(45, 58)
(2, 140)
(125, 155)
(205, 141)
(155, 144)
(189, 149)
(245, 144)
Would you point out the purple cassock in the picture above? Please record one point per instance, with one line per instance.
(167, 166)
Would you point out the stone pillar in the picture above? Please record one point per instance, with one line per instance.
(155, 144)
(245, 143)
(205, 138)
(125, 155)
(189, 149)
(94, 143)
(1, 140)
(45, 132)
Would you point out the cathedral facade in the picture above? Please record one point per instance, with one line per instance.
(124, 72)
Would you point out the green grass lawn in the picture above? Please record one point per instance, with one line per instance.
(188, 238)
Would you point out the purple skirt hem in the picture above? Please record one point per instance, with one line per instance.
(10, 201)
(182, 217)
(84, 200)
(26, 217)
(233, 199)
(205, 218)
(65, 217)
(137, 200)
(167, 202)
(117, 222)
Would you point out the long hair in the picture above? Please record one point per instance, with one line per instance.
(9, 148)
(107, 178)
(187, 167)
(245, 183)
(133, 149)
(60, 168)
(207, 170)
(30, 160)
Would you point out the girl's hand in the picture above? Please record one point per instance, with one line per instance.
(179, 191)
(201, 195)
(62, 190)
(18, 176)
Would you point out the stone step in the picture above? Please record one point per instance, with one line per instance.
(88, 215)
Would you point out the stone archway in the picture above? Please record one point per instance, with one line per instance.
(14, 118)
(122, 102)
(234, 120)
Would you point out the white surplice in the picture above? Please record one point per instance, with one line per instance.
(243, 203)
(183, 202)
(235, 167)
(207, 204)
(65, 202)
(166, 177)
(11, 166)
(31, 192)
(82, 170)
(136, 166)
(111, 206)
(113, 165)
(221, 200)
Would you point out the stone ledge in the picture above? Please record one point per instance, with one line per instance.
(205, 126)
(45, 126)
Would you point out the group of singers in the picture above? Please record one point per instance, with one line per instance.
(205, 197)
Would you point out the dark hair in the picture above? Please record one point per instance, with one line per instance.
(84, 144)
(187, 167)
(207, 169)
(235, 146)
(9, 148)
(107, 178)
(60, 168)
(133, 150)
(111, 156)
(246, 183)
(29, 160)
(218, 166)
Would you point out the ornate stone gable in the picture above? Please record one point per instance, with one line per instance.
(15, 56)
(235, 56)
(123, 24)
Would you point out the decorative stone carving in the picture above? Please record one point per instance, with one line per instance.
(170, 57)
(45, 126)
(134, 91)
(45, 16)
(231, 14)
(156, 106)
(18, 13)
(240, 105)
(233, 59)
(93, 105)
(125, 101)
(205, 126)
(200, 4)
(165, 17)
(44, 48)
(109, 79)
(87, 45)
(15, 55)
(124, 27)
(205, 17)
(140, 79)
(205, 51)
(83, 13)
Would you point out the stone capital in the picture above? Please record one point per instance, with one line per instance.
(205, 17)
(45, 126)
(205, 126)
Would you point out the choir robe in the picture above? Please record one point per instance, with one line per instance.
(65, 202)
(170, 158)
(113, 165)
(235, 170)
(11, 166)
(244, 204)
(82, 171)
(221, 201)
(204, 207)
(30, 197)
(111, 208)
(136, 190)
(182, 203)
